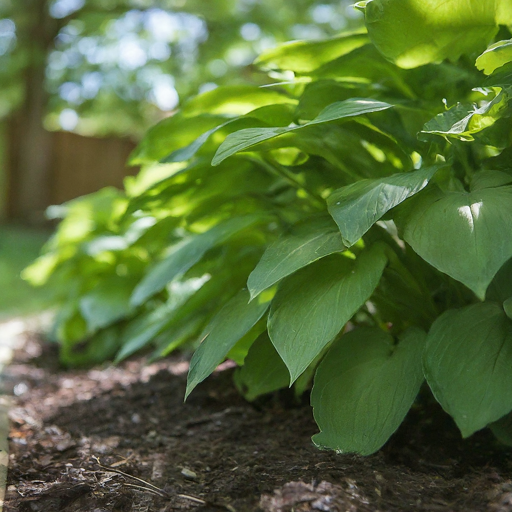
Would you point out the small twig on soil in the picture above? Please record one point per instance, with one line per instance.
(146, 489)
(148, 485)
(153, 489)
(191, 498)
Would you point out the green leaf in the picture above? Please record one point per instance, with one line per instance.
(467, 235)
(263, 370)
(235, 100)
(186, 254)
(500, 288)
(171, 134)
(495, 56)
(107, 302)
(263, 116)
(312, 306)
(308, 242)
(306, 56)
(490, 179)
(141, 331)
(357, 207)
(463, 121)
(245, 139)
(502, 429)
(467, 365)
(415, 32)
(100, 348)
(364, 387)
(230, 324)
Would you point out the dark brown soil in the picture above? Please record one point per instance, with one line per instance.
(121, 439)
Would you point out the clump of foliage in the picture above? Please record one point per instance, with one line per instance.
(349, 226)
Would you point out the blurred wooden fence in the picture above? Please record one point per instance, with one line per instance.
(82, 165)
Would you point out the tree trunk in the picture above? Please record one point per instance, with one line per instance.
(29, 144)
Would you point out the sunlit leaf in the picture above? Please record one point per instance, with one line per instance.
(415, 32)
(245, 139)
(305, 56)
(495, 56)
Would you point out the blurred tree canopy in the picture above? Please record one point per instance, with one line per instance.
(103, 67)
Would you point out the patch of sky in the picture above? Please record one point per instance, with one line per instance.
(250, 31)
(163, 94)
(91, 84)
(68, 119)
(63, 8)
(217, 67)
(7, 35)
(306, 31)
(71, 92)
(208, 86)
(123, 57)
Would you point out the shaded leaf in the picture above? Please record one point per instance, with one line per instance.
(312, 306)
(467, 365)
(107, 302)
(443, 226)
(263, 370)
(502, 429)
(308, 242)
(230, 324)
(357, 207)
(188, 253)
(364, 387)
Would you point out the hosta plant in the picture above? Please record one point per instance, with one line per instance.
(347, 227)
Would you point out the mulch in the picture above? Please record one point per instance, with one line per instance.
(122, 439)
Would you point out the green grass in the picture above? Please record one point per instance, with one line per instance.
(18, 247)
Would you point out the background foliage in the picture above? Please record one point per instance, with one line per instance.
(348, 224)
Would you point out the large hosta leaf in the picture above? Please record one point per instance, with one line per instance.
(364, 387)
(312, 306)
(306, 56)
(467, 235)
(245, 139)
(357, 207)
(187, 254)
(468, 363)
(230, 324)
(415, 32)
(502, 429)
(308, 242)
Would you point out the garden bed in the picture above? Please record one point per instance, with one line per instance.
(121, 439)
